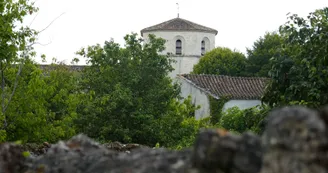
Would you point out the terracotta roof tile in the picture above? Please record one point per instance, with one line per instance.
(72, 67)
(178, 24)
(245, 88)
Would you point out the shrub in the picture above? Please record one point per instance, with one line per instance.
(178, 129)
(188, 131)
(251, 119)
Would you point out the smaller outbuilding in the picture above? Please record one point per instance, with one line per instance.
(243, 92)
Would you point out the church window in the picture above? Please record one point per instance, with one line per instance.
(178, 47)
(203, 48)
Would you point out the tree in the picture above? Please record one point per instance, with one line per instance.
(44, 104)
(15, 46)
(265, 48)
(221, 61)
(299, 73)
(34, 107)
(128, 92)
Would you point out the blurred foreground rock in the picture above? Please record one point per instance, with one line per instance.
(295, 140)
(12, 158)
(117, 146)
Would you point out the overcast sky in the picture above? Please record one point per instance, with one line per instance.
(88, 22)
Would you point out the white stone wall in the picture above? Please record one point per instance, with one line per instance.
(191, 48)
(242, 104)
(191, 41)
(198, 98)
(183, 65)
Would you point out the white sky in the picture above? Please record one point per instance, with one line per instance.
(88, 22)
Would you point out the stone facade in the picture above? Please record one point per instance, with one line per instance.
(191, 41)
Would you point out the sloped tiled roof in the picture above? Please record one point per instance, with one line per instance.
(71, 67)
(178, 24)
(240, 88)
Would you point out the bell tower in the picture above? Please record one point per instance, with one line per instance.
(186, 42)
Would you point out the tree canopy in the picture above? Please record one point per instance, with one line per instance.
(224, 61)
(126, 95)
(258, 57)
(36, 105)
(15, 46)
(129, 93)
(221, 61)
(299, 72)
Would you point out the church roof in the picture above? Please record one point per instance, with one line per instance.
(240, 88)
(71, 67)
(178, 24)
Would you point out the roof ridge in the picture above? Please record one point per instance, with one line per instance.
(245, 77)
(179, 24)
(196, 23)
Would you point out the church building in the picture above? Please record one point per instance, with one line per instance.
(186, 42)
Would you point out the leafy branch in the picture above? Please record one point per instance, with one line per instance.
(25, 34)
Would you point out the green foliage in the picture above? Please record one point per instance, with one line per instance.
(251, 119)
(190, 128)
(129, 96)
(299, 71)
(3, 135)
(126, 95)
(43, 106)
(15, 44)
(265, 48)
(14, 39)
(178, 129)
(221, 61)
(216, 106)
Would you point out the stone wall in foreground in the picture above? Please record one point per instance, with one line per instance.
(295, 141)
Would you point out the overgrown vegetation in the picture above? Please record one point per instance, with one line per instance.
(224, 61)
(299, 72)
(251, 119)
(295, 58)
(126, 95)
(263, 49)
(32, 105)
(124, 102)
(216, 106)
(43, 107)
(114, 99)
